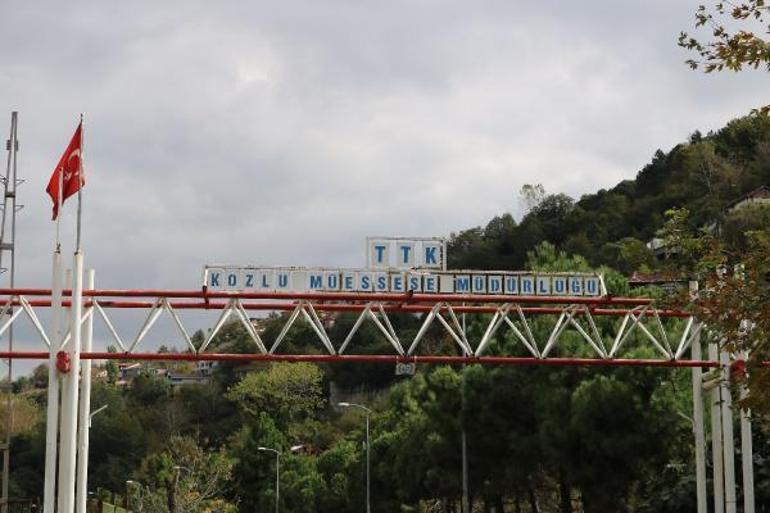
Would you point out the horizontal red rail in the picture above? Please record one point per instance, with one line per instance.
(340, 307)
(344, 296)
(386, 359)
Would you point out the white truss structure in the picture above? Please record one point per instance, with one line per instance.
(511, 317)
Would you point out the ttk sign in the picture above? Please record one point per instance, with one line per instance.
(399, 265)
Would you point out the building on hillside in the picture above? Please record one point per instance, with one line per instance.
(127, 372)
(206, 368)
(178, 380)
(759, 196)
(669, 282)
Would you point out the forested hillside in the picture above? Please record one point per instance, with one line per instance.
(612, 226)
(540, 440)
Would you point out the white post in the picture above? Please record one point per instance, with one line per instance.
(63, 387)
(747, 457)
(67, 464)
(728, 441)
(52, 410)
(84, 424)
(698, 425)
(716, 440)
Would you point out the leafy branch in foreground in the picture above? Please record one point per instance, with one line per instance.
(730, 49)
(734, 297)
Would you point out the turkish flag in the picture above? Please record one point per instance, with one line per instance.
(68, 172)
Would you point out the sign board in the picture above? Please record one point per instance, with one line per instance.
(400, 265)
(405, 253)
(406, 369)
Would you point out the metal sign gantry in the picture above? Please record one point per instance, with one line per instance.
(674, 344)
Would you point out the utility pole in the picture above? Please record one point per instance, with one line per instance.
(8, 245)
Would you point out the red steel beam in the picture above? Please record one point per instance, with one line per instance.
(343, 296)
(340, 307)
(386, 359)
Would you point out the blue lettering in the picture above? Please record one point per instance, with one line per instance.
(526, 285)
(462, 283)
(348, 282)
(398, 283)
(559, 285)
(405, 252)
(494, 284)
(478, 284)
(382, 283)
(592, 286)
(414, 283)
(576, 286)
(430, 284)
(511, 285)
(232, 279)
(542, 285)
(265, 281)
(316, 281)
(380, 250)
(365, 282)
(214, 279)
(332, 280)
(430, 256)
(283, 280)
(249, 280)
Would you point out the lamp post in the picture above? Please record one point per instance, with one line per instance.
(171, 499)
(277, 473)
(368, 451)
(128, 493)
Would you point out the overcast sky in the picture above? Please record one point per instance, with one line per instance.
(285, 132)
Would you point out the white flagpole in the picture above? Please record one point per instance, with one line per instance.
(59, 201)
(80, 186)
(54, 380)
(84, 422)
(70, 396)
(52, 415)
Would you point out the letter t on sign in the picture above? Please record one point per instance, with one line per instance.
(406, 255)
(379, 252)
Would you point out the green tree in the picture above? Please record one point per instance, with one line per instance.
(290, 392)
(184, 477)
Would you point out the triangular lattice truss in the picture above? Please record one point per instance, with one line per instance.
(669, 340)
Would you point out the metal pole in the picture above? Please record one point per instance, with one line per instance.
(80, 187)
(463, 438)
(747, 457)
(52, 409)
(698, 426)
(368, 482)
(84, 424)
(63, 393)
(9, 207)
(728, 441)
(67, 464)
(716, 441)
(277, 480)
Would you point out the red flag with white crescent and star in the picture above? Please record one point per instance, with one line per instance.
(68, 172)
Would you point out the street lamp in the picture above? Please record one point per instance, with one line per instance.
(368, 451)
(178, 470)
(138, 488)
(91, 415)
(277, 473)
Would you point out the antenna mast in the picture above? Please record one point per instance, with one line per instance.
(8, 265)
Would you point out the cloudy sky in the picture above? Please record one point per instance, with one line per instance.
(285, 132)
